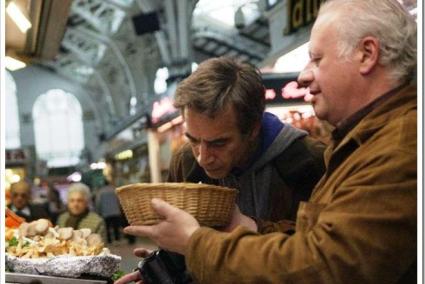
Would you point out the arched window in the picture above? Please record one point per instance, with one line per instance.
(58, 128)
(12, 115)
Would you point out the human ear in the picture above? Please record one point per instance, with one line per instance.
(369, 54)
(256, 130)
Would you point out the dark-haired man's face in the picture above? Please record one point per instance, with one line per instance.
(217, 143)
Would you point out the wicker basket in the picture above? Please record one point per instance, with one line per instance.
(210, 205)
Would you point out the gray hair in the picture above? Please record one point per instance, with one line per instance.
(386, 20)
(80, 188)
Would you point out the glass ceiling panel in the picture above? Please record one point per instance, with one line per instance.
(223, 11)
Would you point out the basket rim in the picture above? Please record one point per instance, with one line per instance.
(173, 186)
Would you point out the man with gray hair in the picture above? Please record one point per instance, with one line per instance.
(78, 215)
(359, 225)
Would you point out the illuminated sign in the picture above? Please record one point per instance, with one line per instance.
(281, 89)
(301, 13)
(162, 108)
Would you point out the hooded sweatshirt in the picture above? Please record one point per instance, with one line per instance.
(254, 182)
(263, 193)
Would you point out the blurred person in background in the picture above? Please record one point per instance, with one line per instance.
(20, 194)
(107, 206)
(360, 224)
(78, 213)
(39, 191)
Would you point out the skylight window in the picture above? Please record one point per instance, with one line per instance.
(223, 11)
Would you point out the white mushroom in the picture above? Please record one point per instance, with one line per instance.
(52, 233)
(65, 233)
(31, 232)
(41, 226)
(105, 251)
(77, 237)
(36, 238)
(23, 229)
(94, 240)
(85, 232)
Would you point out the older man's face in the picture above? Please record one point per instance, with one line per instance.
(217, 143)
(331, 79)
(20, 195)
(77, 203)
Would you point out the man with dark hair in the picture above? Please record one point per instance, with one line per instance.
(232, 142)
(108, 207)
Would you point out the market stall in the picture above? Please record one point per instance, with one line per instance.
(37, 252)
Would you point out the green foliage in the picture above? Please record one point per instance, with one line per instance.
(117, 275)
(13, 242)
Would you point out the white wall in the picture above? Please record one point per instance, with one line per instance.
(34, 81)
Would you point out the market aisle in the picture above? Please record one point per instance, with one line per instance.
(125, 250)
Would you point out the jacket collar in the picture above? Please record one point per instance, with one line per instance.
(346, 125)
(395, 106)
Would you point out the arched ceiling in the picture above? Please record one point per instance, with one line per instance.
(101, 50)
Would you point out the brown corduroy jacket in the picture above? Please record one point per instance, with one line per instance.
(359, 225)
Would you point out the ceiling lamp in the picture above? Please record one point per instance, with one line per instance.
(18, 17)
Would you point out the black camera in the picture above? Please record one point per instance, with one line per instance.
(164, 267)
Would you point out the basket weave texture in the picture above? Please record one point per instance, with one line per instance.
(211, 205)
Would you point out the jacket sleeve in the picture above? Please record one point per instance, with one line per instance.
(284, 226)
(366, 234)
